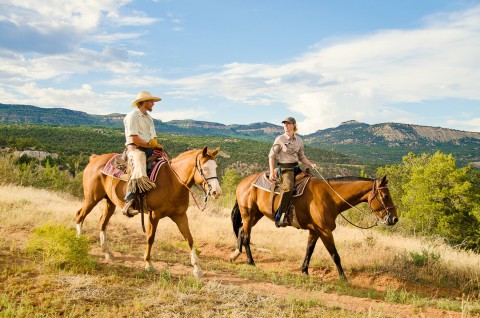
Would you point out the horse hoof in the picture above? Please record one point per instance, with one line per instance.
(234, 255)
(150, 269)
(109, 256)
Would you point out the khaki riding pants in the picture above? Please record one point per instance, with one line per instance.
(287, 183)
(137, 161)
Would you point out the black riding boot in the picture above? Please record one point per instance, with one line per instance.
(280, 219)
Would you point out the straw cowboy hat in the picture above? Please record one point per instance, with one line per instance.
(143, 96)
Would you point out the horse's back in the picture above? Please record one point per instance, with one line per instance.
(98, 161)
(92, 174)
(246, 193)
(247, 182)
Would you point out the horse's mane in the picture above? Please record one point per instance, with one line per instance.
(184, 154)
(350, 178)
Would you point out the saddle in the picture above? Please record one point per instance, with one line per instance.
(116, 167)
(263, 182)
(301, 180)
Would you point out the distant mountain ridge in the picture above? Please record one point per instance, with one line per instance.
(384, 143)
(20, 114)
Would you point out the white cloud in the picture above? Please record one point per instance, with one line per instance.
(360, 78)
(472, 124)
(45, 15)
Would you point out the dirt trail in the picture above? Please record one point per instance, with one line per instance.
(369, 307)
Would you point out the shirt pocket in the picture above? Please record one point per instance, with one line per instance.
(291, 148)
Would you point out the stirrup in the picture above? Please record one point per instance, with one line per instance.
(283, 221)
(128, 210)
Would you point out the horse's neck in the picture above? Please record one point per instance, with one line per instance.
(353, 192)
(185, 169)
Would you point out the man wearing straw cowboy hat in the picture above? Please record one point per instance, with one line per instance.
(288, 149)
(141, 141)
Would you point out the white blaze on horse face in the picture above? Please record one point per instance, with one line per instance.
(210, 171)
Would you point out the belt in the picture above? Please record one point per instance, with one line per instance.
(288, 165)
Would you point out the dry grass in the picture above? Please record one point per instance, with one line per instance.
(364, 253)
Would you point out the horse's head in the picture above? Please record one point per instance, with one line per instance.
(381, 202)
(206, 172)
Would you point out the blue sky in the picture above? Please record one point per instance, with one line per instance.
(240, 62)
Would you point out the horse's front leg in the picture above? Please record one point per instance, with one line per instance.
(88, 204)
(312, 241)
(107, 214)
(327, 239)
(182, 223)
(152, 229)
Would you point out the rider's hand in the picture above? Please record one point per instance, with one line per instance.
(272, 176)
(314, 166)
(153, 143)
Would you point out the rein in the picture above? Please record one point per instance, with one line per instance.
(197, 165)
(375, 190)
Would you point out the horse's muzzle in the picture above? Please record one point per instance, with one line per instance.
(215, 194)
(392, 220)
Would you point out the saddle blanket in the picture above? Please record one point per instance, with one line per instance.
(265, 184)
(116, 168)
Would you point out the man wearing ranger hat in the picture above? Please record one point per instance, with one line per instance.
(289, 150)
(141, 141)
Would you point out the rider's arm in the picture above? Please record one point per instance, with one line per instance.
(139, 141)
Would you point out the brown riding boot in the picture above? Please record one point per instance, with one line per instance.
(129, 209)
(285, 198)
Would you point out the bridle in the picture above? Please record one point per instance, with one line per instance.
(376, 194)
(198, 167)
(385, 215)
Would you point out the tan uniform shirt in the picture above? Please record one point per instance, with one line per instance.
(287, 150)
(138, 124)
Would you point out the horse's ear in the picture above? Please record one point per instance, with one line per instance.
(384, 181)
(214, 153)
(204, 151)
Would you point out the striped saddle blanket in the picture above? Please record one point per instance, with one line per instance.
(265, 184)
(116, 167)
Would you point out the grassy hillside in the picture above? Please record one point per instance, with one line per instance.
(75, 144)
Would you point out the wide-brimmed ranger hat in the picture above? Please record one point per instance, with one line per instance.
(290, 120)
(143, 96)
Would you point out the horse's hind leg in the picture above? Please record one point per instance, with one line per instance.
(107, 214)
(312, 241)
(246, 233)
(182, 223)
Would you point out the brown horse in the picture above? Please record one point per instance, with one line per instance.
(316, 210)
(170, 197)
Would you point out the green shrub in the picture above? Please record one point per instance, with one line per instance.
(60, 249)
(426, 257)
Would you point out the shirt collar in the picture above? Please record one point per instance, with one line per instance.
(290, 138)
(139, 113)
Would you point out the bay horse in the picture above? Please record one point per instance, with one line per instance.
(316, 210)
(169, 199)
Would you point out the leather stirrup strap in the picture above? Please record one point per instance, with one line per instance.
(272, 197)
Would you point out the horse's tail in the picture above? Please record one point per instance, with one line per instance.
(236, 218)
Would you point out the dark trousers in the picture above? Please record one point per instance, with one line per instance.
(287, 184)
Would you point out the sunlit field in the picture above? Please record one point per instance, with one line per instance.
(391, 268)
